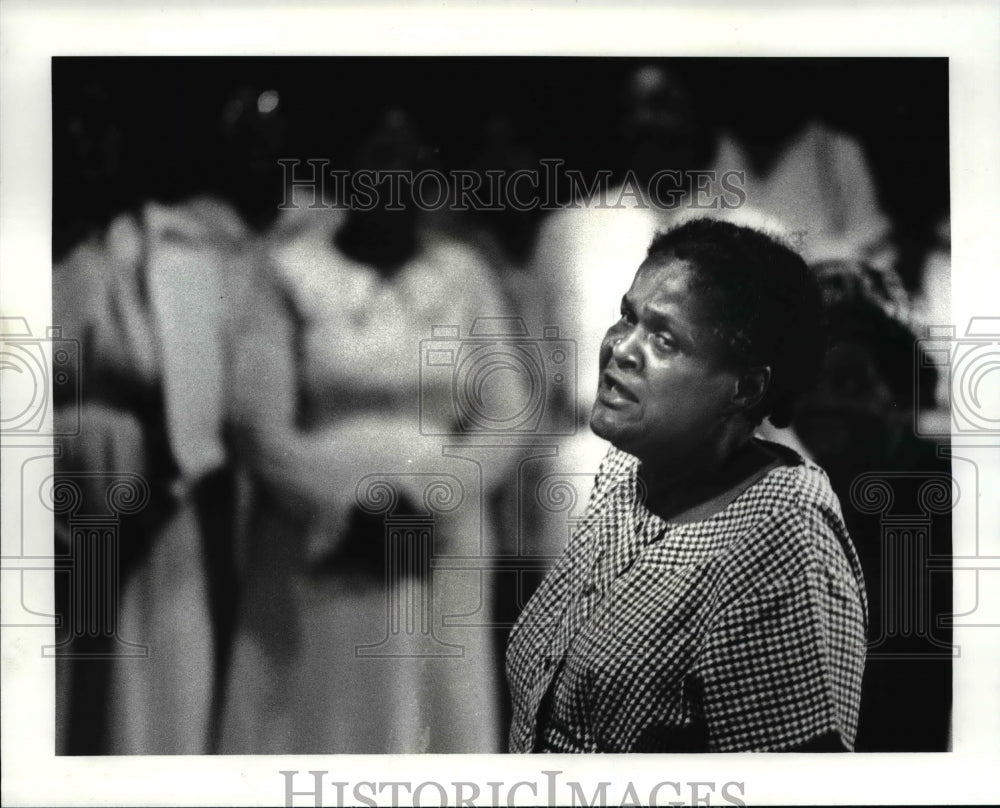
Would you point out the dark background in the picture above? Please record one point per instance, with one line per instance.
(162, 115)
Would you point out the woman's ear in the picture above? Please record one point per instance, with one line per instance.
(751, 386)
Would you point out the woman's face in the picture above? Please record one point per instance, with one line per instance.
(664, 390)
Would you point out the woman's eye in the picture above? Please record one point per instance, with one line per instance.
(664, 341)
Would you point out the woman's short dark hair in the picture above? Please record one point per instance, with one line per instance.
(766, 302)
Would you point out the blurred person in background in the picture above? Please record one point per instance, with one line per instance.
(804, 182)
(252, 132)
(88, 151)
(858, 424)
(182, 333)
(506, 239)
(506, 236)
(588, 249)
(932, 301)
(366, 284)
(800, 173)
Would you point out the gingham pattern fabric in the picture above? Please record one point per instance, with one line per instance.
(745, 631)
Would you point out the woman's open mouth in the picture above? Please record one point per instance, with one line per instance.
(613, 392)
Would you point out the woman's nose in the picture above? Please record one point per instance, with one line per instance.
(625, 348)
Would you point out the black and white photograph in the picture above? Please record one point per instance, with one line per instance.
(379, 417)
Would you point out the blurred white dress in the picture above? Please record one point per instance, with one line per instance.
(170, 307)
(349, 640)
(821, 190)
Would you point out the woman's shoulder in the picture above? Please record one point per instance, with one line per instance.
(794, 483)
(793, 524)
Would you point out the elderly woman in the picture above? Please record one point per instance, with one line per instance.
(711, 599)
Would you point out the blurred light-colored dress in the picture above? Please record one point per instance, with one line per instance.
(349, 641)
(820, 190)
(182, 333)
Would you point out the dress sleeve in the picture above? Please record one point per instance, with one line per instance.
(261, 354)
(781, 668)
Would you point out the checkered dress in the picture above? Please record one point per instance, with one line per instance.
(744, 631)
